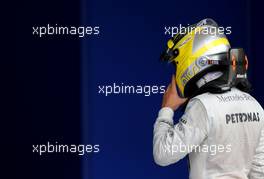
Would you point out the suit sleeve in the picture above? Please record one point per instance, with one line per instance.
(257, 168)
(173, 142)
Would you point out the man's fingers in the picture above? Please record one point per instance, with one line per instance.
(173, 83)
(168, 88)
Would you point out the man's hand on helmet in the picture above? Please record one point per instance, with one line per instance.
(171, 98)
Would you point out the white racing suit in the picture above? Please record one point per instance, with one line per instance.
(220, 132)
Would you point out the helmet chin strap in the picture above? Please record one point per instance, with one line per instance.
(208, 77)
